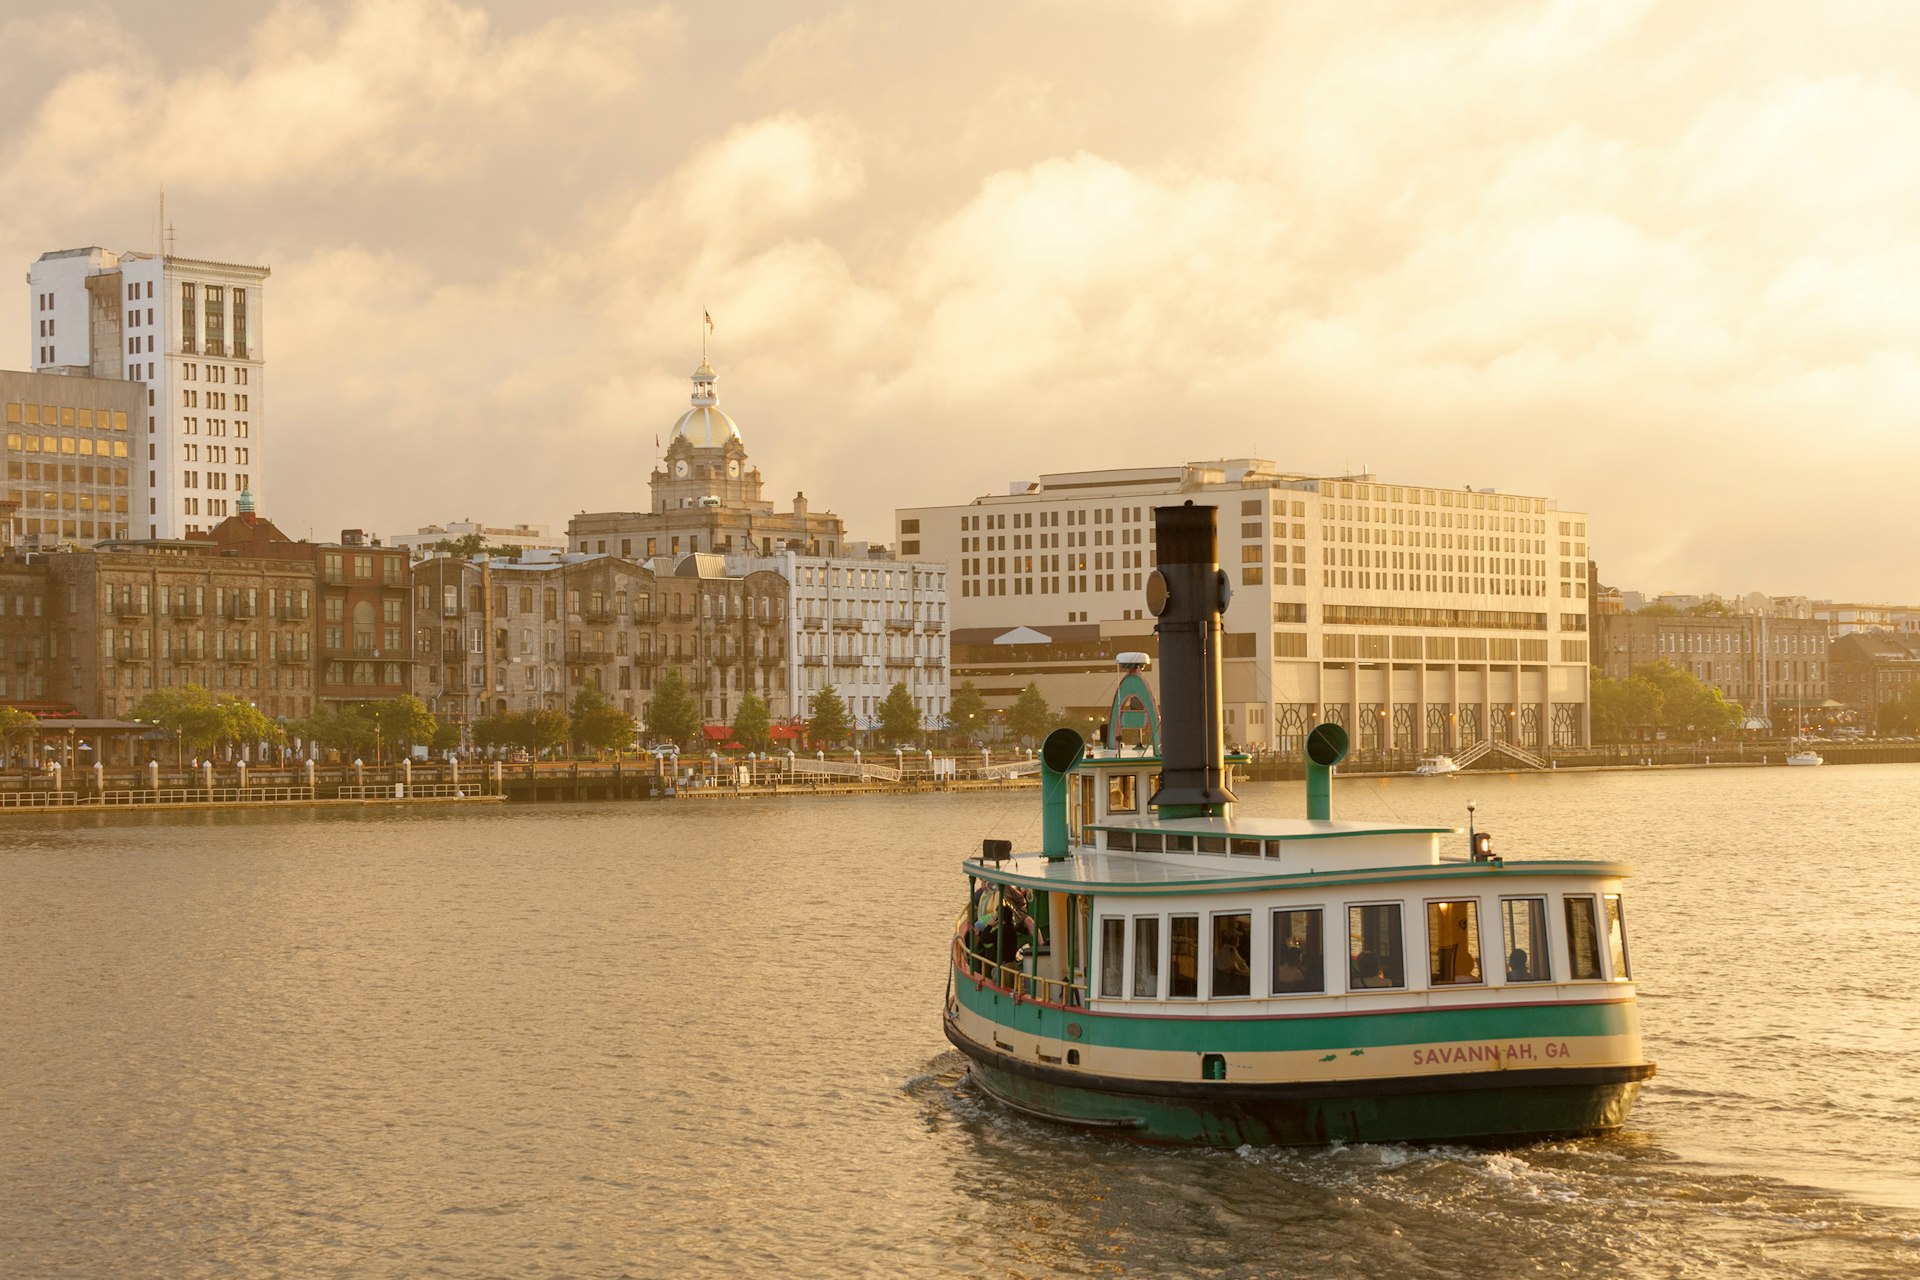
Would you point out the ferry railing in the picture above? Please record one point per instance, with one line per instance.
(1010, 978)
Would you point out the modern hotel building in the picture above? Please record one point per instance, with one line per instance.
(1423, 619)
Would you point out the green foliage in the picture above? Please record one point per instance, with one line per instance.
(15, 723)
(673, 715)
(543, 730)
(203, 721)
(753, 724)
(899, 716)
(967, 714)
(348, 730)
(403, 722)
(598, 725)
(1030, 717)
(1659, 696)
(446, 738)
(827, 723)
(469, 545)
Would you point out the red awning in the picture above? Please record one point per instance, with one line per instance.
(784, 732)
(717, 732)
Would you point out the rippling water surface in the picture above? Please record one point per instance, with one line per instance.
(703, 1040)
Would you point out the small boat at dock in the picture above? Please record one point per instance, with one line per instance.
(1805, 757)
(1165, 968)
(1436, 767)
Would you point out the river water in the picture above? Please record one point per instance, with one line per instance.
(703, 1039)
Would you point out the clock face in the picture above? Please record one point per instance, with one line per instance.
(733, 467)
(680, 467)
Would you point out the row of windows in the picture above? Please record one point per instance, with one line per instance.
(1174, 956)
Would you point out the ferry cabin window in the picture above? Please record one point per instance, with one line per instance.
(1113, 956)
(1523, 939)
(1583, 940)
(1453, 943)
(1617, 936)
(1146, 957)
(1299, 960)
(1375, 954)
(1087, 811)
(1232, 945)
(1121, 794)
(1183, 975)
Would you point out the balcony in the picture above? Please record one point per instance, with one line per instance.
(129, 609)
(297, 613)
(899, 624)
(450, 611)
(813, 624)
(813, 660)
(186, 609)
(133, 657)
(334, 577)
(241, 609)
(288, 658)
(901, 664)
(764, 621)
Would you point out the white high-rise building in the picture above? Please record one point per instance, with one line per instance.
(193, 334)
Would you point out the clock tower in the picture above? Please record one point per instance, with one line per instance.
(706, 463)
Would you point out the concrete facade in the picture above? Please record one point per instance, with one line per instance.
(1420, 618)
(192, 334)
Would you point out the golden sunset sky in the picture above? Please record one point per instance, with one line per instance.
(1657, 261)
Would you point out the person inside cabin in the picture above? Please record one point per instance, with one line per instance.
(1368, 971)
(1289, 975)
(1517, 970)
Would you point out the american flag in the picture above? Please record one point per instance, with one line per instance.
(709, 318)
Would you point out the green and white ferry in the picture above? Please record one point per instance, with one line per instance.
(1164, 968)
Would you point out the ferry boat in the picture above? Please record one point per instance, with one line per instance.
(1436, 766)
(1167, 969)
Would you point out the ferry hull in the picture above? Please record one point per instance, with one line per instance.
(1486, 1106)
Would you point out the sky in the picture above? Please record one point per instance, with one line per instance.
(1655, 261)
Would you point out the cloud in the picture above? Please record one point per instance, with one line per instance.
(386, 87)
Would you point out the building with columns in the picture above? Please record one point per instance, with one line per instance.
(1423, 619)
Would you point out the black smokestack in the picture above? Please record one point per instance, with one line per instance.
(1192, 749)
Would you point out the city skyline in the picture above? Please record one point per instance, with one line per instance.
(1648, 263)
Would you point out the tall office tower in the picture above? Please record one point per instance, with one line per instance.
(192, 333)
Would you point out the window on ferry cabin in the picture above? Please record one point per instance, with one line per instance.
(1183, 977)
(1232, 945)
(1299, 959)
(1453, 942)
(1120, 794)
(1523, 939)
(1617, 936)
(1113, 955)
(1146, 957)
(1583, 940)
(1375, 953)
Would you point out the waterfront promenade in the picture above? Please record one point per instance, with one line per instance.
(226, 785)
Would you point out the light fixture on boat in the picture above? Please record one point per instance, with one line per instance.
(996, 850)
(1133, 660)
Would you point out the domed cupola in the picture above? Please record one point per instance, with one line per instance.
(704, 426)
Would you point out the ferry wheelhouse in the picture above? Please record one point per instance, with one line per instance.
(1166, 968)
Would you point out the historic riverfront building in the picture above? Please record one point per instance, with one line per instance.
(707, 497)
(1774, 667)
(1424, 619)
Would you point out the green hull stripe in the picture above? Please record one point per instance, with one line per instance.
(1302, 1032)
